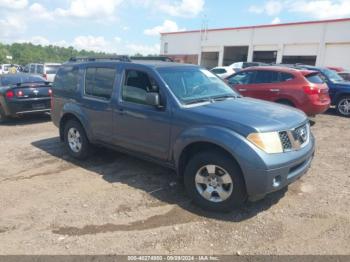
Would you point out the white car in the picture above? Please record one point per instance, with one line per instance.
(241, 65)
(4, 68)
(46, 70)
(223, 71)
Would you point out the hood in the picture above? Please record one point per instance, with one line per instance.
(247, 115)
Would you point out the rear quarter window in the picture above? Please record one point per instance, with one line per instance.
(314, 78)
(67, 79)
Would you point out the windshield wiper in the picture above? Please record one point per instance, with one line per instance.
(223, 97)
(199, 100)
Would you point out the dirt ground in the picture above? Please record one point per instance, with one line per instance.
(116, 204)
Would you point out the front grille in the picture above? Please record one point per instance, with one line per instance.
(287, 145)
(296, 138)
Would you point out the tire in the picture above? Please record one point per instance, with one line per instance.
(343, 109)
(74, 134)
(3, 117)
(197, 169)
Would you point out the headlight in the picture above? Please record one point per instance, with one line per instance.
(269, 142)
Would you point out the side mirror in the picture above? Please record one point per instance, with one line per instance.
(153, 99)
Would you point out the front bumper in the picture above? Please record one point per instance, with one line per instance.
(281, 170)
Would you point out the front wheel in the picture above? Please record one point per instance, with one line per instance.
(343, 106)
(76, 141)
(214, 181)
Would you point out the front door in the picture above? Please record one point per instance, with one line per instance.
(140, 127)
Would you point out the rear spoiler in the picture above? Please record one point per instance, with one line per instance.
(33, 83)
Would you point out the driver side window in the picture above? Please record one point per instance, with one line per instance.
(136, 85)
(242, 78)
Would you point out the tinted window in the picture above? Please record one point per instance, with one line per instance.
(51, 69)
(32, 69)
(136, 86)
(67, 78)
(218, 71)
(242, 78)
(333, 76)
(40, 69)
(314, 78)
(286, 77)
(263, 77)
(99, 82)
(15, 79)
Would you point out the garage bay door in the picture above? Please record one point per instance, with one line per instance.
(337, 55)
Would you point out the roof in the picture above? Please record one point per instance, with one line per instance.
(147, 63)
(263, 26)
(277, 68)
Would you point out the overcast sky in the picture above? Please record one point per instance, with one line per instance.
(130, 26)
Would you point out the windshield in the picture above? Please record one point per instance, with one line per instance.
(195, 84)
(332, 75)
(15, 79)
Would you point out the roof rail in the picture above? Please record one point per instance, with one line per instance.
(153, 58)
(121, 58)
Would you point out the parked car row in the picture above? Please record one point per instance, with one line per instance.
(308, 88)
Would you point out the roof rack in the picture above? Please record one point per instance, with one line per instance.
(153, 58)
(121, 58)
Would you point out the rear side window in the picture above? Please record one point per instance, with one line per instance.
(286, 77)
(264, 77)
(314, 78)
(32, 69)
(219, 71)
(99, 82)
(40, 69)
(67, 79)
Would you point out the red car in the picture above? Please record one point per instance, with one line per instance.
(302, 89)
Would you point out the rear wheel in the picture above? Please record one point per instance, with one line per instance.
(214, 181)
(343, 106)
(76, 141)
(3, 117)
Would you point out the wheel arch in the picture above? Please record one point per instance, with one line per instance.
(70, 116)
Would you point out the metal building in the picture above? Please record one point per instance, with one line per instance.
(321, 43)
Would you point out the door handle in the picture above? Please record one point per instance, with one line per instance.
(242, 89)
(274, 90)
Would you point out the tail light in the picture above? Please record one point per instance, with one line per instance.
(312, 90)
(20, 93)
(10, 94)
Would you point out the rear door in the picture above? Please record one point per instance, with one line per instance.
(99, 81)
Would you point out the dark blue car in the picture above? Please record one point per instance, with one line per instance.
(339, 89)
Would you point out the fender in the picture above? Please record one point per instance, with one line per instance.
(74, 109)
(235, 144)
(340, 94)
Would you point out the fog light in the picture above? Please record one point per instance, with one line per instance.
(276, 182)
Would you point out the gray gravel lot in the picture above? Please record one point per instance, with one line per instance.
(116, 204)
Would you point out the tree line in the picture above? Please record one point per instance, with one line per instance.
(24, 53)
